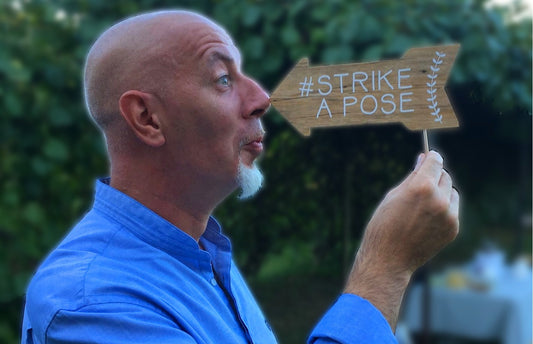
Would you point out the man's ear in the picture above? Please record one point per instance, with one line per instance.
(140, 110)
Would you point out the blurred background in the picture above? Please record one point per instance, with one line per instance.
(295, 241)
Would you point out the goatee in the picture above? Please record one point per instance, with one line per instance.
(250, 180)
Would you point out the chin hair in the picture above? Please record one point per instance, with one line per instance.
(250, 180)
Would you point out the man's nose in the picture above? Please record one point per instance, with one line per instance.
(256, 100)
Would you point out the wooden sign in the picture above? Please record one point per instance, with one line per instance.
(409, 90)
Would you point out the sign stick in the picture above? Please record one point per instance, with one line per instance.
(426, 144)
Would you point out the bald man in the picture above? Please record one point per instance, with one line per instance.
(148, 263)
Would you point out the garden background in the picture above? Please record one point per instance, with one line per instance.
(295, 241)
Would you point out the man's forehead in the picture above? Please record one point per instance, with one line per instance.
(207, 38)
(222, 53)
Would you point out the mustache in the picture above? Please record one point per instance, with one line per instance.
(258, 135)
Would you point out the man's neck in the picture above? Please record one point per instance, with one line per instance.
(188, 218)
(179, 195)
(180, 203)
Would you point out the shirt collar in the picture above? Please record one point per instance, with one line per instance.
(158, 232)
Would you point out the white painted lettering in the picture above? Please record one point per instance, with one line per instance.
(323, 105)
(345, 104)
(403, 100)
(363, 103)
(360, 81)
(340, 80)
(327, 83)
(388, 101)
(400, 77)
(384, 77)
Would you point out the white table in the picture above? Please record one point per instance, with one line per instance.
(501, 313)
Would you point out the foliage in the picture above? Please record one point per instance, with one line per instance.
(320, 191)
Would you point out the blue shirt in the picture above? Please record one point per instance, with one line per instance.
(126, 275)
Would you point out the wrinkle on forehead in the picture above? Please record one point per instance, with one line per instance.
(138, 53)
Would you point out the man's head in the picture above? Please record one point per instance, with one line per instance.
(167, 90)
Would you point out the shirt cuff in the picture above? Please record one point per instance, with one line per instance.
(352, 319)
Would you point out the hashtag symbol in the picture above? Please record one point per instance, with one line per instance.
(306, 87)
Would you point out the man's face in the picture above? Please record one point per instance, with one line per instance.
(212, 109)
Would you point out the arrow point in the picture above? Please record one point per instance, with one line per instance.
(303, 63)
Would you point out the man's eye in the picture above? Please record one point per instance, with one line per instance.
(224, 80)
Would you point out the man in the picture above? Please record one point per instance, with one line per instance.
(148, 263)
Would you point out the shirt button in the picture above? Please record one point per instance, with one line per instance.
(213, 282)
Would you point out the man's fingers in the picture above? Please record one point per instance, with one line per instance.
(445, 184)
(450, 194)
(454, 211)
(431, 167)
(454, 203)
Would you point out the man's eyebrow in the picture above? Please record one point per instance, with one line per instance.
(216, 56)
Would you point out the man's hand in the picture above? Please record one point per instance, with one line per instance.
(414, 222)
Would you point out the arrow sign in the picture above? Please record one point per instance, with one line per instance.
(409, 90)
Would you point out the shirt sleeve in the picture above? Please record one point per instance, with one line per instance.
(352, 319)
(112, 323)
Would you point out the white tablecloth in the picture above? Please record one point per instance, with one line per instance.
(501, 313)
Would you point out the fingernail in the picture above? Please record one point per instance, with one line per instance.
(419, 161)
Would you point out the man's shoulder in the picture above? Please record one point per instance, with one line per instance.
(99, 261)
(63, 281)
